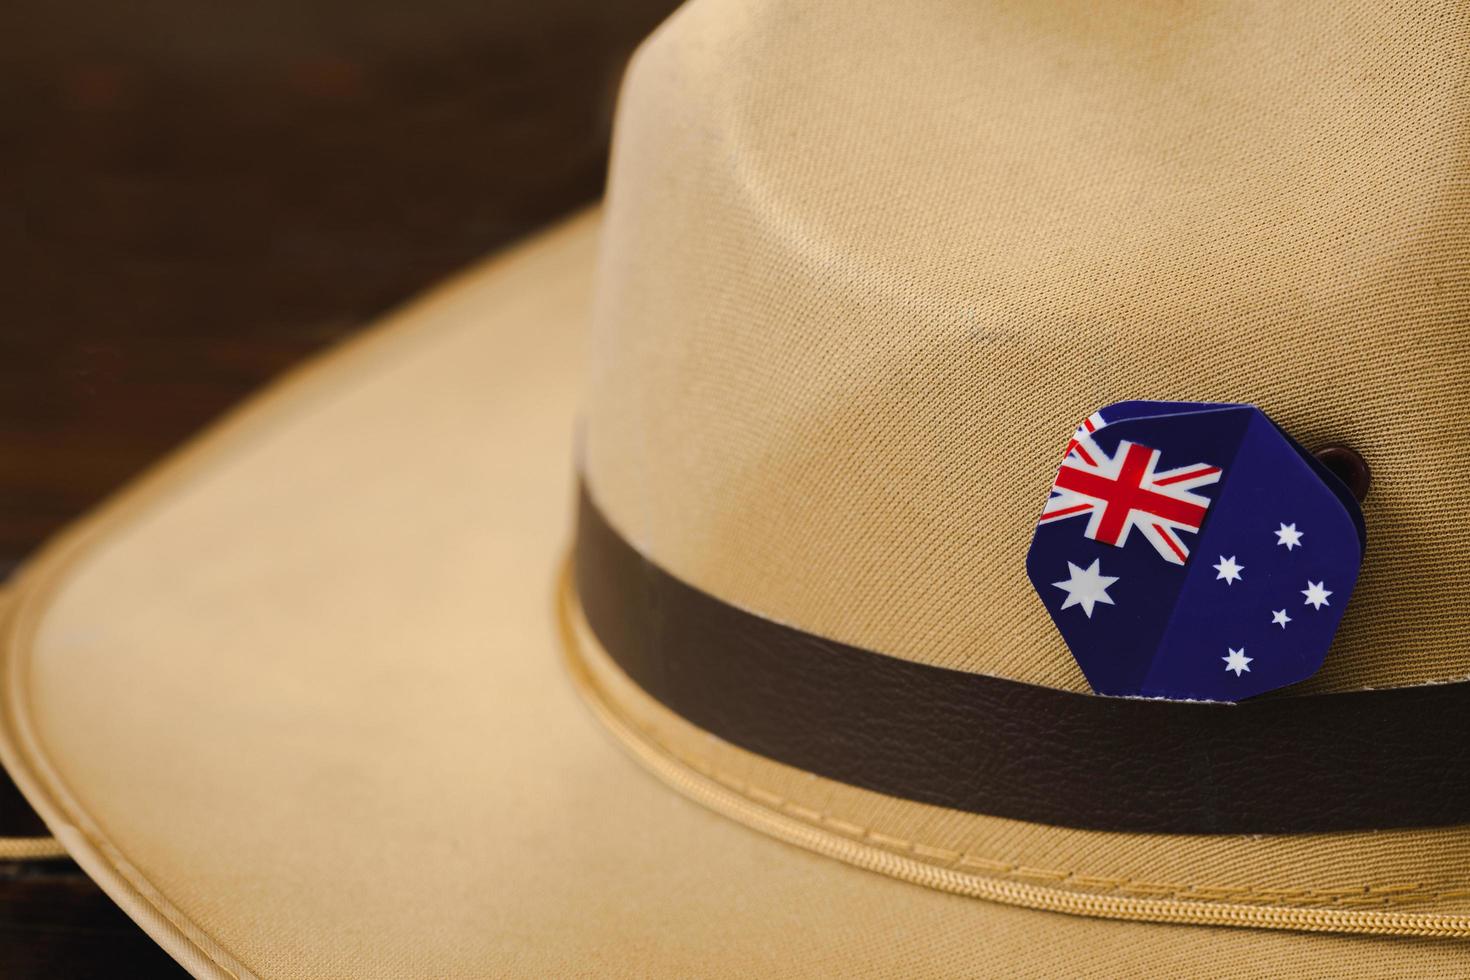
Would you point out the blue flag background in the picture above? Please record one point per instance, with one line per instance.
(1257, 602)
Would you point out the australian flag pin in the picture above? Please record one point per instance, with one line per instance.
(1194, 551)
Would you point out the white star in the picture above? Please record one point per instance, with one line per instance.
(1280, 618)
(1316, 595)
(1086, 587)
(1237, 661)
(1228, 570)
(1288, 535)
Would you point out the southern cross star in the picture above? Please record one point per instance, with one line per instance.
(1280, 618)
(1238, 661)
(1288, 535)
(1316, 594)
(1086, 587)
(1228, 569)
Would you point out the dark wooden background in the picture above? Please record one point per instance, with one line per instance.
(196, 196)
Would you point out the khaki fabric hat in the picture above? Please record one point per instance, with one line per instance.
(325, 695)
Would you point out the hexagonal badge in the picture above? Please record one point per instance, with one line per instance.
(1194, 551)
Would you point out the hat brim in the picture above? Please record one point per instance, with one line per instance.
(297, 702)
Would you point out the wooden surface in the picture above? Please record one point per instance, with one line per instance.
(198, 196)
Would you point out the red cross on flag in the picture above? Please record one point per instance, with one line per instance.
(1126, 490)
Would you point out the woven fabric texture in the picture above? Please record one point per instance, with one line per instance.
(373, 762)
(866, 264)
(1414, 871)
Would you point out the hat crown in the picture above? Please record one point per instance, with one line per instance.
(865, 265)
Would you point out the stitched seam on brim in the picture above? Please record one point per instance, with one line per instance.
(1331, 909)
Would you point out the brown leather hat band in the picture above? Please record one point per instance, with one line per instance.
(1354, 761)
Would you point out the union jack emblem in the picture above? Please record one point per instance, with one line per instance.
(1126, 490)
